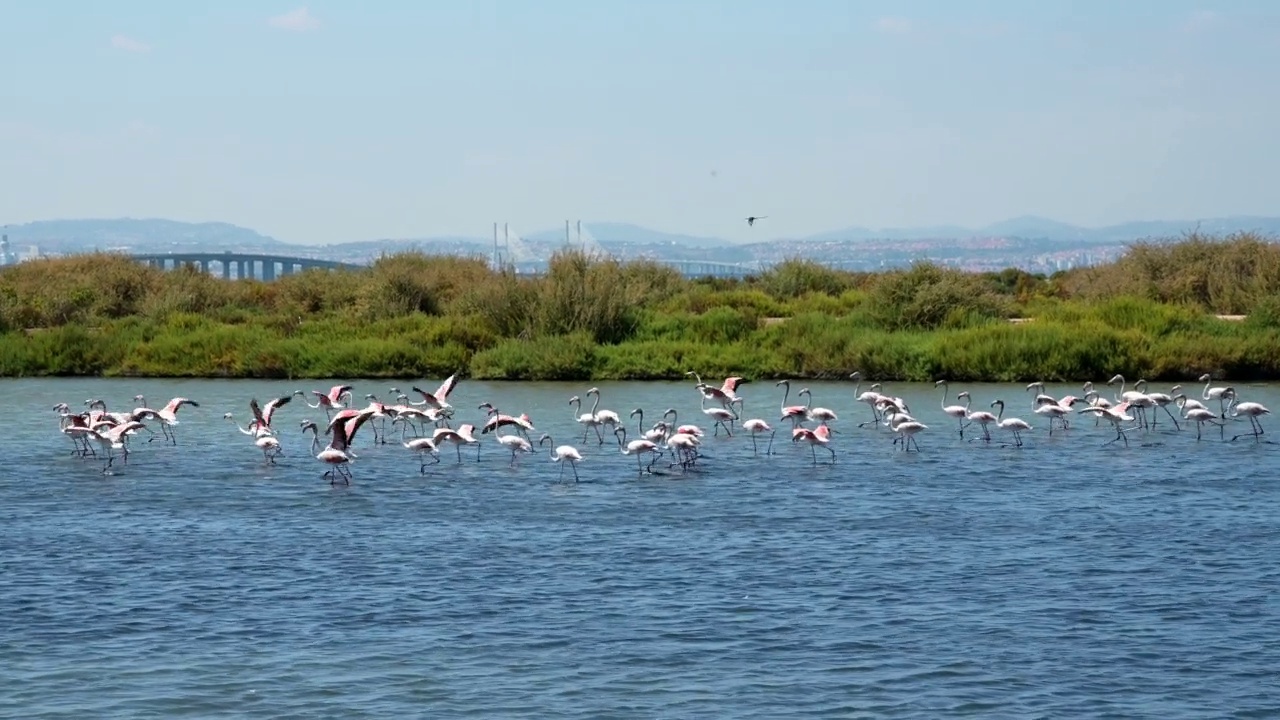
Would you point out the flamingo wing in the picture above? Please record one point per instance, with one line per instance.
(271, 407)
(337, 391)
(178, 402)
(446, 387)
(257, 413)
(731, 384)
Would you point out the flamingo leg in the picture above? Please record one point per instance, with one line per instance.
(574, 465)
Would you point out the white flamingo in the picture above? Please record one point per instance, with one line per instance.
(959, 412)
(823, 415)
(756, 426)
(1013, 425)
(907, 431)
(565, 454)
(1161, 400)
(1250, 410)
(587, 420)
(604, 418)
(639, 447)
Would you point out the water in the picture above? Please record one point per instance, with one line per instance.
(1062, 579)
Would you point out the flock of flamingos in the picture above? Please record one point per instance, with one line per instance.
(425, 425)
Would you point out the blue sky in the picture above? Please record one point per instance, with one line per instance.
(336, 121)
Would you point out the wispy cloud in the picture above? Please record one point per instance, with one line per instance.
(894, 25)
(296, 20)
(128, 44)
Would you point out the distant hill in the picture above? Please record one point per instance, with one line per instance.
(138, 235)
(1031, 227)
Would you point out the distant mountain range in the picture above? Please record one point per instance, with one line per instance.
(156, 234)
(1030, 227)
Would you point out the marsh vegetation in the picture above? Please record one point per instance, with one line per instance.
(1151, 314)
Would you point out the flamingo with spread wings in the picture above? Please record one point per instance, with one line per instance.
(440, 398)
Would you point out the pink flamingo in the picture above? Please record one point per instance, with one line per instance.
(168, 414)
(462, 436)
(440, 398)
(343, 432)
(330, 401)
(726, 394)
(818, 437)
(797, 414)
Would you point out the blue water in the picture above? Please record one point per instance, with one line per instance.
(1061, 579)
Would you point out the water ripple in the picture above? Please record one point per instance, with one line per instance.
(1065, 579)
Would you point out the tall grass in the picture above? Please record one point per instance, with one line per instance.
(1149, 314)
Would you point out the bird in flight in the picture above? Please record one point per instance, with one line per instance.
(752, 220)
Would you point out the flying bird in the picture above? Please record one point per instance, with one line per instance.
(752, 220)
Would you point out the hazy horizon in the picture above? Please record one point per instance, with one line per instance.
(335, 122)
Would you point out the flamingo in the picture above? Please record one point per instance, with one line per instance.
(67, 422)
(1116, 416)
(1055, 410)
(756, 426)
(821, 414)
(726, 394)
(588, 420)
(1135, 399)
(1184, 403)
(1250, 410)
(565, 454)
(684, 447)
(819, 436)
(1161, 400)
(262, 415)
(1212, 393)
(440, 398)
(342, 431)
(462, 436)
(1200, 416)
(1040, 397)
(499, 420)
(797, 414)
(959, 412)
(907, 431)
(263, 438)
(330, 401)
(984, 419)
(425, 447)
(110, 438)
(870, 397)
(1014, 425)
(603, 417)
(516, 444)
(638, 447)
(655, 434)
(168, 415)
(722, 417)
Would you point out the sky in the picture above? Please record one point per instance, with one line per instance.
(337, 121)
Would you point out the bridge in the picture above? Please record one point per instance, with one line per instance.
(269, 267)
(239, 265)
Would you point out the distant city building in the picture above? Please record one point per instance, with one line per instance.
(6, 258)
